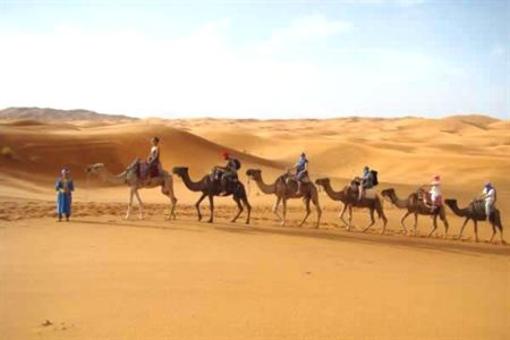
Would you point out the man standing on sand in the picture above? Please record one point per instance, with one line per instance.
(64, 188)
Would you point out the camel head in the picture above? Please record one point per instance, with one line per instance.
(450, 202)
(388, 192)
(180, 171)
(94, 169)
(255, 174)
(323, 181)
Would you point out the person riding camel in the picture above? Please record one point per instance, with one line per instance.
(153, 162)
(489, 198)
(301, 168)
(434, 191)
(366, 182)
(228, 172)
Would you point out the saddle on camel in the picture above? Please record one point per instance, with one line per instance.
(432, 197)
(363, 187)
(151, 167)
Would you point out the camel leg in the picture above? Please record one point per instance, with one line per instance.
(211, 206)
(501, 235)
(445, 222)
(404, 228)
(168, 190)
(476, 230)
(275, 208)
(140, 204)
(415, 226)
(341, 216)
(372, 221)
(350, 217)
(197, 205)
(462, 228)
(130, 203)
(248, 208)
(385, 221)
(493, 232)
(434, 225)
(239, 209)
(173, 202)
(307, 207)
(284, 212)
(315, 202)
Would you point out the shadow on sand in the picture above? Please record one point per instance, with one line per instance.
(426, 244)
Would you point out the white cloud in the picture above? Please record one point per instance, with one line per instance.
(201, 74)
(498, 51)
(302, 30)
(403, 3)
(409, 3)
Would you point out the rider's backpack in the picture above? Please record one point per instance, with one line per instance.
(375, 181)
(237, 164)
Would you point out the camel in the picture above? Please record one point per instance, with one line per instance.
(414, 205)
(130, 177)
(210, 188)
(349, 201)
(476, 212)
(285, 191)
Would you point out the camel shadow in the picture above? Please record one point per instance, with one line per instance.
(424, 244)
(130, 224)
(353, 237)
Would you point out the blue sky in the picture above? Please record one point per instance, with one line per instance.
(258, 59)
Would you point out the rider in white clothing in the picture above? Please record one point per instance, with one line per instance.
(489, 197)
(435, 193)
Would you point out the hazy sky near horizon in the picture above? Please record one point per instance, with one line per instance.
(258, 59)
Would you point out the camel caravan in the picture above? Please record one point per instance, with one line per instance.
(295, 183)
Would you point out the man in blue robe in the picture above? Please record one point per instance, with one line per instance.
(64, 188)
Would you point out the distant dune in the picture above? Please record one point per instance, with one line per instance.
(464, 150)
(47, 114)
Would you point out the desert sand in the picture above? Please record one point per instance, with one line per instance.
(101, 277)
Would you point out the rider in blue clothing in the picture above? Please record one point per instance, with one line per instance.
(301, 168)
(366, 182)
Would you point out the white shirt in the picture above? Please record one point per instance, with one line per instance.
(435, 191)
(154, 152)
(490, 194)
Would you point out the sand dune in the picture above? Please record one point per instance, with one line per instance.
(99, 276)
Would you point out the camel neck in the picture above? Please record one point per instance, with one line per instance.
(457, 211)
(265, 188)
(107, 176)
(193, 186)
(334, 195)
(397, 201)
